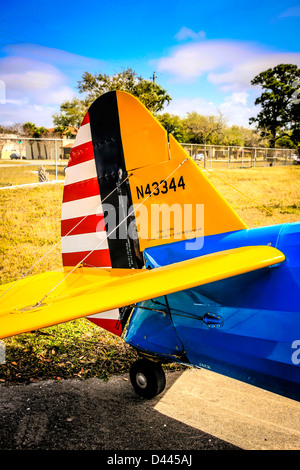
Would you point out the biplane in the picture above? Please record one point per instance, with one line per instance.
(153, 253)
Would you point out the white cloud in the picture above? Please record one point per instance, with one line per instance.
(37, 80)
(54, 56)
(240, 75)
(231, 65)
(34, 89)
(235, 108)
(186, 105)
(12, 113)
(290, 12)
(187, 33)
(31, 79)
(190, 61)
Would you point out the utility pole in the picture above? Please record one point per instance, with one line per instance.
(153, 77)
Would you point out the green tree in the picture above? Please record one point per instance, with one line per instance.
(72, 112)
(203, 129)
(242, 137)
(232, 136)
(29, 128)
(152, 95)
(98, 84)
(174, 125)
(279, 115)
(285, 142)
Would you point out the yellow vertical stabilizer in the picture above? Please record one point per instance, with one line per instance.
(173, 198)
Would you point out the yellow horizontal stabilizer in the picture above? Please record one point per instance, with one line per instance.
(88, 291)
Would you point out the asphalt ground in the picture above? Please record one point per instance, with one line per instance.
(198, 411)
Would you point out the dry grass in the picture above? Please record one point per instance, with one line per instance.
(31, 226)
(20, 173)
(271, 194)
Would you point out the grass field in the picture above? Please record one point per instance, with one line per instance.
(31, 226)
(269, 195)
(26, 173)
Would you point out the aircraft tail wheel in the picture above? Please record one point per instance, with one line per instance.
(147, 378)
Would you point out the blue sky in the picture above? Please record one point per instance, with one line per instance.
(203, 53)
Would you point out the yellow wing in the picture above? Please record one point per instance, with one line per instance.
(88, 291)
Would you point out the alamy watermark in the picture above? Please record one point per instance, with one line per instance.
(2, 92)
(296, 94)
(2, 353)
(296, 353)
(154, 222)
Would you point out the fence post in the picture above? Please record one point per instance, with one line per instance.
(55, 155)
(228, 157)
(242, 156)
(254, 158)
(204, 156)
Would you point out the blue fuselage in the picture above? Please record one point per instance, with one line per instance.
(246, 327)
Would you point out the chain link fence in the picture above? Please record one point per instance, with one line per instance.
(216, 157)
(25, 160)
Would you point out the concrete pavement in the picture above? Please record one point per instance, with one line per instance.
(199, 410)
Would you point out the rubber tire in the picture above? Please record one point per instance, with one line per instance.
(152, 372)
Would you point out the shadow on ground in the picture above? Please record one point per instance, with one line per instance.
(93, 415)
